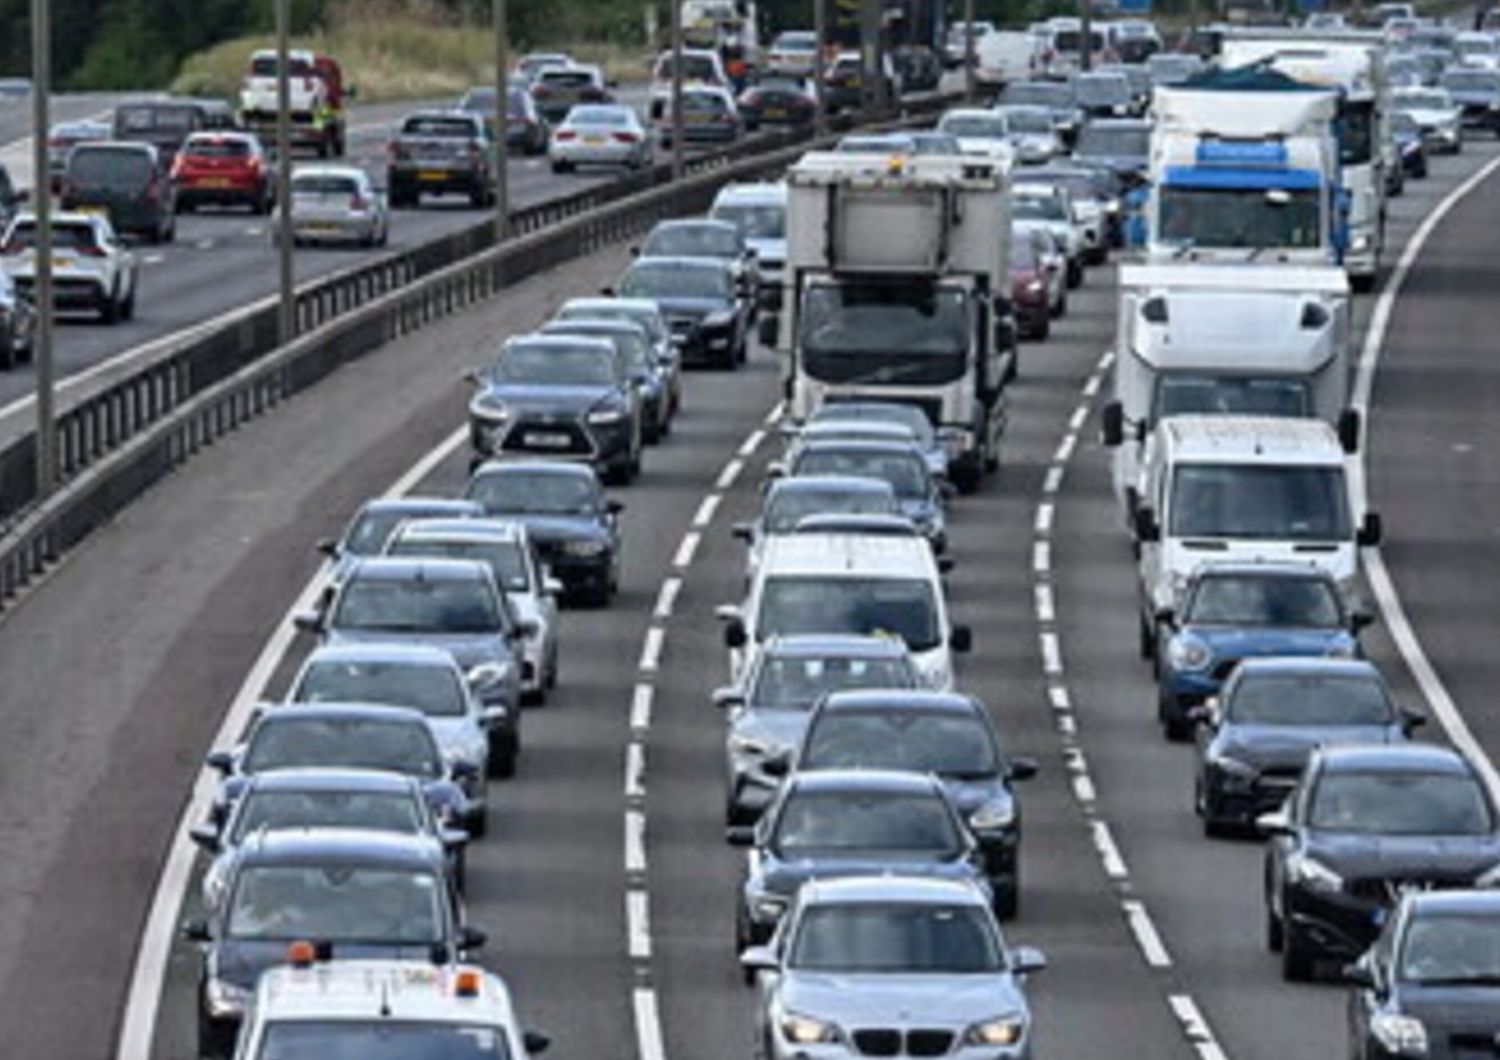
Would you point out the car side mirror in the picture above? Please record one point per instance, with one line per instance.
(463, 769)
(1021, 769)
(197, 931)
(1146, 528)
(740, 835)
(1359, 620)
(961, 640)
(635, 252)
(1359, 974)
(607, 292)
(1166, 616)
(205, 836)
(1277, 823)
(1112, 424)
(220, 761)
(472, 938)
(614, 507)
(734, 633)
(743, 532)
(945, 564)
(1412, 720)
(329, 547)
(536, 1041)
(775, 469)
(946, 489)
(472, 375)
(489, 717)
(454, 838)
(23, 195)
(527, 628)
(728, 697)
(1348, 427)
(778, 765)
(1025, 960)
(1203, 714)
(551, 586)
(308, 622)
(759, 959)
(1371, 531)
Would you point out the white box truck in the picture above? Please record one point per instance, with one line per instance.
(1226, 340)
(897, 288)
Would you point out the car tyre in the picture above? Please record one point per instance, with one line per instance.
(1275, 936)
(127, 307)
(477, 822)
(1075, 273)
(109, 309)
(1296, 956)
(1173, 727)
(560, 166)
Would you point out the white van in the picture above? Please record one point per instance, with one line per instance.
(1243, 489)
(1005, 56)
(848, 583)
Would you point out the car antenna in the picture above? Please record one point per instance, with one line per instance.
(385, 999)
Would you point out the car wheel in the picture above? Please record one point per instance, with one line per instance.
(127, 307)
(1075, 273)
(502, 762)
(169, 233)
(477, 822)
(1275, 938)
(1296, 956)
(1008, 903)
(109, 309)
(215, 1040)
(1173, 726)
(8, 354)
(1042, 330)
(1147, 641)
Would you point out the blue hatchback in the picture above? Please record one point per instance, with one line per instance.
(1235, 611)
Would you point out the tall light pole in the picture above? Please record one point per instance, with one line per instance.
(1086, 34)
(820, 73)
(286, 317)
(969, 57)
(502, 124)
(41, 181)
(677, 159)
(869, 47)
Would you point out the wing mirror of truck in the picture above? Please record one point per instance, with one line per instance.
(1112, 424)
(1371, 531)
(1146, 528)
(1349, 423)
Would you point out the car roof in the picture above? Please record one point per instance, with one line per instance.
(366, 990)
(1393, 758)
(1268, 439)
(537, 339)
(326, 711)
(1117, 123)
(467, 530)
(584, 326)
(872, 781)
(1438, 903)
(827, 483)
(834, 555)
(908, 890)
(684, 262)
(876, 700)
(841, 645)
(330, 779)
(383, 652)
(872, 426)
(359, 846)
(1308, 666)
(693, 222)
(764, 192)
(417, 568)
(642, 306)
(855, 523)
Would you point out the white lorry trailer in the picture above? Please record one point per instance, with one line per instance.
(1226, 340)
(897, 288)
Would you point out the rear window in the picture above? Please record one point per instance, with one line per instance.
(324, 185)
(566, 78)
(113, 167)
(156, 119)
(218, 148)
(64, 236)
(438, 126)
(265, 66)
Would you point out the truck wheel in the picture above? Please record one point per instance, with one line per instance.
(966, 473)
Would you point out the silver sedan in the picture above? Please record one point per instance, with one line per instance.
(892, 966)
(336, 204)
(599, 135)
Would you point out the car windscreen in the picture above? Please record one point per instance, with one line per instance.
(796, 682)
(373, 811)
(22, 235)
(565, 79)
(865, 821)
(150, 119)
(794, 42)
(342, 743)
(110, 168)
(864, 318)
(1309, 699)
(905, 471)
(691, 241)
(1184, 393)
(337, 902)
(217, 149)
(1038, 208)
(664, 280)
(1026, 120)
(867, 937)
(630, 347)
(418, 605)
(438, 126)
(1039, 93)
(1403, 124)
(1399, 803)
(384, 1039)
(538, 493)
(975, 126)
(1259, 600)
(1101, 91)
(694, 68)
(1071, 40)
(1286, 502)
(1115, 141)
(265, 66)
(1424, 101)
(1252, 218)
(607, 117)
(1451, 949)
(434, 690)
(948, 744)
(1471, 81)
(506, 559)
(787, 507)
(903, 607)
(522, 364)
(754, 221)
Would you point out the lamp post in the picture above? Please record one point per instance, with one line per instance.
(286, 317)
(676, 119)
(46, 425)
(502, 124)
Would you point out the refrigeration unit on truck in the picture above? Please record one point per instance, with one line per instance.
(1351, 63)
(1239, 340)
(316, 96)
(1244, 168)
(897, 289)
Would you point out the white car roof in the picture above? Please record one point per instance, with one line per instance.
(827, 555)
(763, 193)
(370, 989)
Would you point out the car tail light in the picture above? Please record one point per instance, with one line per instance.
(11, 248)
(357, 202)
(539, 90)
(626, 137)
(91, 251)
(397, 152)
(153, 191)
(565, 134)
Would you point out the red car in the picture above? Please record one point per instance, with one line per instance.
(223, 169)
(1029, 288)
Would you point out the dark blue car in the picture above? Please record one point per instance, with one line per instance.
(1235, 611)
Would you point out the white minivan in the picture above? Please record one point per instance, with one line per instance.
(1243, 489)
(848, 583)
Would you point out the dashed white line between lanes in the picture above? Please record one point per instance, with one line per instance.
(706, 510)
(687, 550)
(1146, 935)
(729, 474)
(1195, 1027)
(651, 649)
(666, 600)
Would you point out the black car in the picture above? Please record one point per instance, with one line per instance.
(1364, 825)
(526, 130)
(847, 822)
(778, 100)
(1254, 739)
(128, 182)
(360, 894)
(575, 528)
(650, 378)
(17, 324)
(700, 237)
(951, 736)
(562, 397)
(1430, 986)
(703, 304)
(165, 124)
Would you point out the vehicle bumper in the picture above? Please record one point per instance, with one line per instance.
(1181, 690)
(1447, 139)
(1336, 926)
(350, 231)
(1033, 317)
(1236, 801)
(781, 1049)
(579, 573)
(436, 179)
(1000, 851)
(190, 194)
(700, 345)
(68, 292)
(601, 155)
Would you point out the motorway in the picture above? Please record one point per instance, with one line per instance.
(120, 668)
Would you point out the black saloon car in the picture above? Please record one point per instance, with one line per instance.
(703, 303)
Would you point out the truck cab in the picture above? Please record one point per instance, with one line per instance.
(897, 289)
(1226, 340)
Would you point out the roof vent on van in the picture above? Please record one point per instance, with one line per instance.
(1154, 310)
(1314, 316)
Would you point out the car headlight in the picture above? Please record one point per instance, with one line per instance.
(750, 746)
(224, 1000)
(805, 1030)
(1188, 653)
(1402, 1035)
(585, 548)
(1002, 1030)
(1489, 878)
(1314, 875)
(609, 415)
(487, 674)
(720, 319)
(1234, 767)
(992, 816)
(768, 907)
(486, 408)
(1360, 242)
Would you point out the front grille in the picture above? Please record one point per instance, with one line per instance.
(878, 1042)
(1388, 889)
(889, 1041)
(556, 436)
(929, 1042)
(1475, 1045)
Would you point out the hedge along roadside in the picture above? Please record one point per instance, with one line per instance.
(144, 426)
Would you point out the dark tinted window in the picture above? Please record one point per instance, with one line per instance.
(1305, 699)
(1452, 948)
(920, 741)
(217, 149)
(412, 605)
(109, 167)
(433, 690)
(1290, 502)
(520, 494)
(354, 743)
(433, 125)
(361, 810)
(1401, 803)
(346, 1040)
(1264, 601)
(338, 903)
(831, 821)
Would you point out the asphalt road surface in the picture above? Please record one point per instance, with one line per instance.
(120, 667)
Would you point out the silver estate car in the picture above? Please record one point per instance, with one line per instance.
(892, 966)
(336, 204)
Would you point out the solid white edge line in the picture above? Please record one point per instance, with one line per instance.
(148, 974)
(1146, 935)
(1392, 610)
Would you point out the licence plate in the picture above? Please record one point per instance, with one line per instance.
(94, 209)
(593, 141)
(548, 440)
(776, 112)
(432, 174)
(214, 182)
(61, 263)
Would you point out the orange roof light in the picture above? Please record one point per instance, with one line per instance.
(466, 983)
(301, 954)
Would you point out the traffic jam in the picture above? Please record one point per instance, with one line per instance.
(900, 281)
